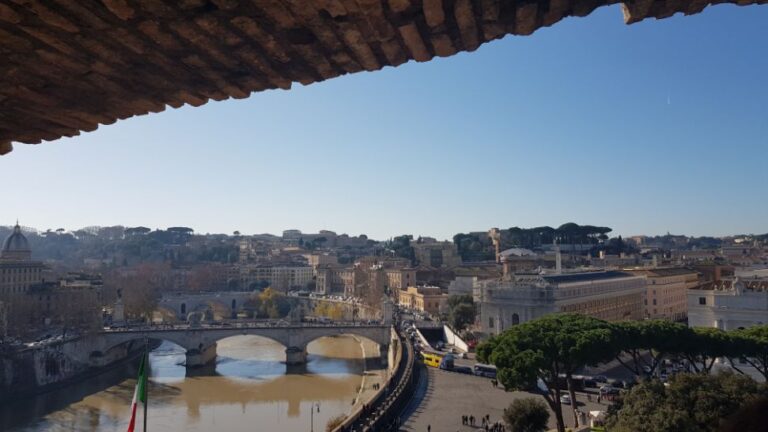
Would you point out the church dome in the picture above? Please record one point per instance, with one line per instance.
(15, 244)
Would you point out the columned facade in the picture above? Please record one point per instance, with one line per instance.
(607, 295)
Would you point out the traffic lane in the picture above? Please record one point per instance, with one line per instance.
(450, 395)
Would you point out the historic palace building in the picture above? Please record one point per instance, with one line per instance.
(607, 295)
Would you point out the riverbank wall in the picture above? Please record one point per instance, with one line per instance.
(31, 371)
(383, 408)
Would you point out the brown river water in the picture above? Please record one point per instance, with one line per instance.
(249, 389)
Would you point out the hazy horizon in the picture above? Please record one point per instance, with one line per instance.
(650, 128)
(340, 232)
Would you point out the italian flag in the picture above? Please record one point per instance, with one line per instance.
(140, 393)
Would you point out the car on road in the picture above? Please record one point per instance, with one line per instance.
(609, 390)
(565, 399)
(463, 370)
(600, 378)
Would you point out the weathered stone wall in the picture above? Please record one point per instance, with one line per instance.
(31, 371)
(69, 66)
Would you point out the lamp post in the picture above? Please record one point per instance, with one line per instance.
(312, 415)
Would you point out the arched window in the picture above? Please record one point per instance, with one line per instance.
(183, 308)
(515, 319)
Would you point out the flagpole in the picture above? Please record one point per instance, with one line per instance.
(146, 384)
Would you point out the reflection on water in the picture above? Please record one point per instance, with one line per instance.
(248, 390)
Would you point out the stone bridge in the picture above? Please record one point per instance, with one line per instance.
(69, 66)
(181, 304)
(200, 342)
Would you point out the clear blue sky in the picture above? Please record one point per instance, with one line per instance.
(654, 127)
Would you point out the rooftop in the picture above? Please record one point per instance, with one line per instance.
(727, 285)
(583, 277)
(662, 272)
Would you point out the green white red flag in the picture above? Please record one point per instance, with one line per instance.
(140, 393)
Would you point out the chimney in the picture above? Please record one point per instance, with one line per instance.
(558, 261)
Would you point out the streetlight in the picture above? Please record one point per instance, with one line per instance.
(312, 415)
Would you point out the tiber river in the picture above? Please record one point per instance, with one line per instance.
(249, 390)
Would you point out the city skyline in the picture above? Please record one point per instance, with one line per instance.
(592, 121)
(613, 233)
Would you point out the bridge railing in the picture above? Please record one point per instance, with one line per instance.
(241, 324)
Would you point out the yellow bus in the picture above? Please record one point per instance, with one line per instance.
(438, 360)
(431, 358)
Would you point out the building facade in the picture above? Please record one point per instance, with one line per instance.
(281, 278)
(17, 270)
(30, 304)
(666, 293)
(436, 254)
(607, 295)
(72, 302)
(729, 304)
(427, 299)
(400, 278)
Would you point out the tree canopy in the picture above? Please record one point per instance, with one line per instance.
(556, 346)
(545, 348)
(690, 403)
(269, 304)
(479, 247)
(527, 415)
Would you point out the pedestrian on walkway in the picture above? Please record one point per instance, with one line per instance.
(429, 428)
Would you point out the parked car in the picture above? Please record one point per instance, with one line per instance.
(565, 399)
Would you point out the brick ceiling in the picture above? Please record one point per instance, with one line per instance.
(67, 66)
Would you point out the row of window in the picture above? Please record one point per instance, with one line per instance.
(23, 270)
(18, 278)
(14, 290)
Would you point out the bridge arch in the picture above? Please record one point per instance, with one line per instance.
(200, 342)
(225, 304)
(272, 338)
(141, 338)
(111, 350)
